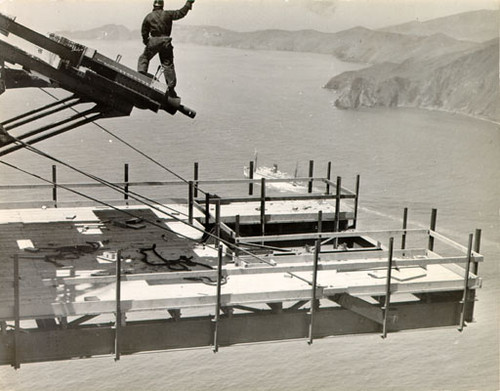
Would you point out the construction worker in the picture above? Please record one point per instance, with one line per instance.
(155, 31)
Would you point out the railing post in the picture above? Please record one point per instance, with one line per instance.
(54, 188)
(311, 175)
(250, 176)
(126, 179)
(217, 222)
(218, 301)
(466, 283)
(356, 202)
(207, 210)
(320, 222)
(328, 177)
(477, 249)
(190, 201)
(385, 308)
(195, 179)
(236, 234)
(337, 210)
(263, 206)
(16, 361)
(405, 226)
(118, 315)
(314, 287)
(432, 228)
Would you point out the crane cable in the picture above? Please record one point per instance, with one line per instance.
(117, 188)
(161, 226)
(134, 195)
(145, 155)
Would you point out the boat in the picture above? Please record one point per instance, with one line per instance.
(277, 179)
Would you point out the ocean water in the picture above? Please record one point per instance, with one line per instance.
(274, 103)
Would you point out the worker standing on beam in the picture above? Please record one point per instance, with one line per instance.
(156, 30)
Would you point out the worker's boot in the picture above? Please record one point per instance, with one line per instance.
(171, 93)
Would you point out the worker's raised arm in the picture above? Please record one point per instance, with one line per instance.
(179, 14)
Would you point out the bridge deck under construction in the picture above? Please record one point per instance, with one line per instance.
(85, 281)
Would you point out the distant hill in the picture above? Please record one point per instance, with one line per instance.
(478, 26)
(358, 44)
(449, 63)
(461, 82)
(108, 32)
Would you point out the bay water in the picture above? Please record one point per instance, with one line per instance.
(273, 102)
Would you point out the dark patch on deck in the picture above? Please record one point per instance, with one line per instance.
(59, 247)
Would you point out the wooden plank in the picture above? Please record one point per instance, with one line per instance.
(363, 264)
(452, 243)
(376, 288)
(297, 197)
(161, 183)
(334, 184)
(109, 306)
(325, 235)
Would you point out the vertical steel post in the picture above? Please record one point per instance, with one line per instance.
(236, 234)
(313, 293)
(118, 317)
(190, 201)
(337, 210)
(466, 283)
(54, 188)
(432, 228)
(125, 179)
(250, 176)
(16, 361)
(328, 177)
(217, 221)
(356, 202)
(207, 210)
(195, 179)
(311, 175)
(320, 222)
(477, 249)
(263, 206)
(387, 289)
(218, 302)
(405, 226)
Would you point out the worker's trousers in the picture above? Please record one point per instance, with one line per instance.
(162, 46)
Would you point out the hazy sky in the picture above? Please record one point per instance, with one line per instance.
(243, 15)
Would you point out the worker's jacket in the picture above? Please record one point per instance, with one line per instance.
(158, 23)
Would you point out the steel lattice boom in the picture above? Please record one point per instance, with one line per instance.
(90, 76)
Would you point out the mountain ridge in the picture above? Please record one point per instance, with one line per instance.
(414, 64)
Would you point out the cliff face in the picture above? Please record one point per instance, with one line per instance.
(465, 82)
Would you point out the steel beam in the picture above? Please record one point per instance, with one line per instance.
(359, 306)
(387, 302)
(197, 332)
(466, 283)
(218, 302)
